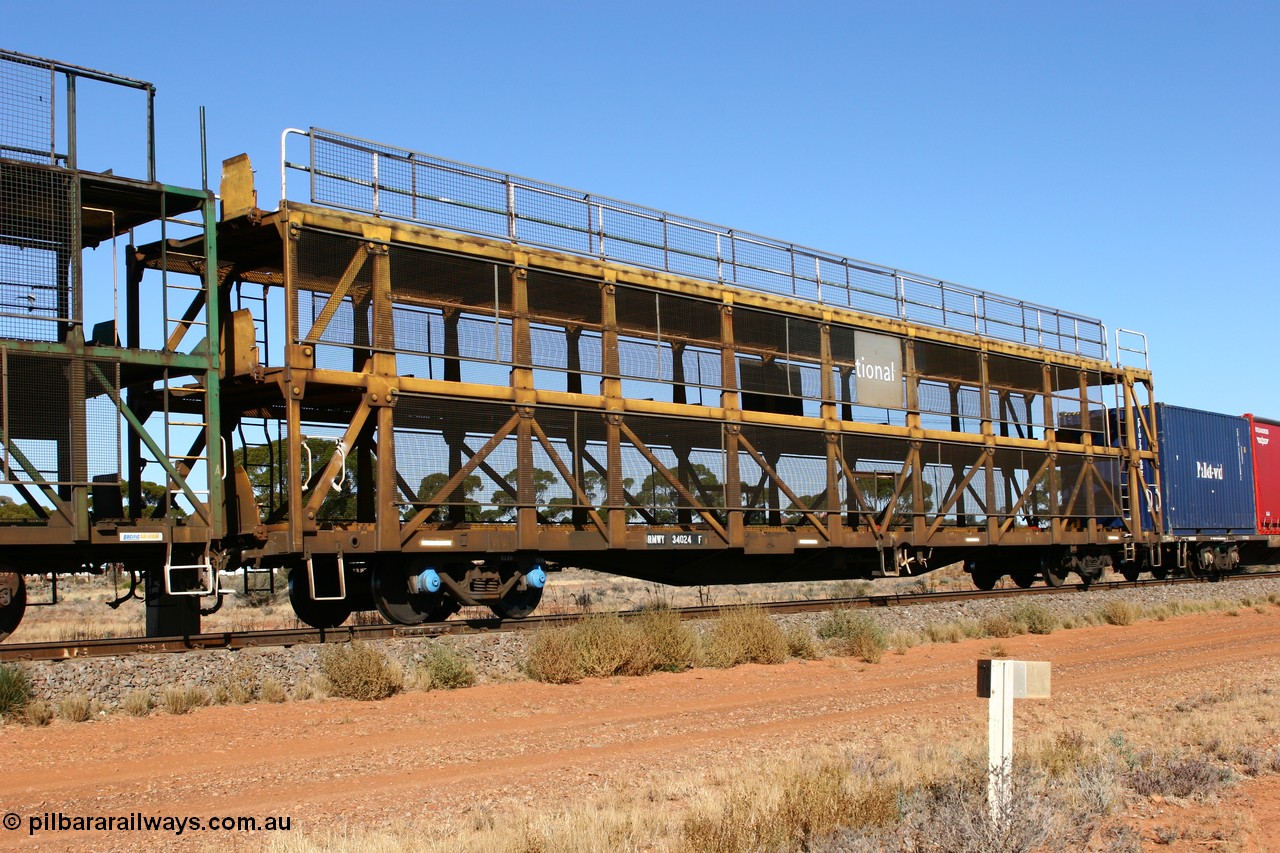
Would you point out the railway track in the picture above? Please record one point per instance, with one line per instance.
(282, 637)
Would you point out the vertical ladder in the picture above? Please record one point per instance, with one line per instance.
(1121, 441)
(257, 305)
(185, 462)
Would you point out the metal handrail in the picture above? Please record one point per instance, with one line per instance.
(348, 173)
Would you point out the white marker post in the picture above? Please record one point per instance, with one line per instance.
(1002, 681)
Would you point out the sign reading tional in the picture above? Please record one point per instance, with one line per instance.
(878, 370)
(673, 540)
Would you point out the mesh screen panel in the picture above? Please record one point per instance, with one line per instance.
(37, 251)
(26, 98)
(435, 437)
(43, 410)
(1013, 470)
(692, 450)
(798, 457)
(875, 463)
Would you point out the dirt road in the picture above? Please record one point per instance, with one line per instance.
(329, 763)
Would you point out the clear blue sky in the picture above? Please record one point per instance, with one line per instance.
(1114, 159)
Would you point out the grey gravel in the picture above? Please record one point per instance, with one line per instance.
(497, 656)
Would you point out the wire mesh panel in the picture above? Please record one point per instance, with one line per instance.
(386, 181)
(1021, 481)
(954, 483)
(690, 451)
(37, 246)
(332, 283)
(873, 468)
(26, 98)
(670, 344)
(435, 438)
(451, 315)
(949, 387)
(779, 362)
(783, 474)
(102, 421)
(61, 426)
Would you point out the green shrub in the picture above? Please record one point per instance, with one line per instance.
(745, 635)
(360, 671)
(445, 669)
(1034, 617)
(852, 632)
(15, 689)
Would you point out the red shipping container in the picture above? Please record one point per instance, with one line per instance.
(1266, 472)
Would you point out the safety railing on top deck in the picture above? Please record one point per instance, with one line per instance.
(368, 177)
(29, 101)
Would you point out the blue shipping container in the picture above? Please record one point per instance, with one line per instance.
(1207, 472)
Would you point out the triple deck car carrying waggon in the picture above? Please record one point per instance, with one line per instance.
(430, 384)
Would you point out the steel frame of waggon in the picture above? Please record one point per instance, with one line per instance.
(413, 419)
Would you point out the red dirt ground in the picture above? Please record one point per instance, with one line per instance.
(365, 764)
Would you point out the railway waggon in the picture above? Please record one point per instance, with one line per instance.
(417, 385)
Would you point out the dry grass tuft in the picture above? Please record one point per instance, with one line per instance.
(181, 700)
(444, 669)
(673, 644)
(945, 632)
(138, 703)
(553, 657)
(854, 633)
(801, 643)
(605, 645)
(75, 708)
(271, 691)
(237, 686)
(360, 671)
(900, 641)
(1117, 612)
(1000, 626)
(1034, 618)
(745, 635)
(37, 713)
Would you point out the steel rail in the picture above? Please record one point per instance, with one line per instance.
(284, 637)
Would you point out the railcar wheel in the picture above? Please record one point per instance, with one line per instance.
(1131, 573)
(1054, 577)
(408, 594)
(1160, 573)
(317, 614)
(1024, 580)
(985, 580)
(524, 595)
(442, 611)
(13, 602)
